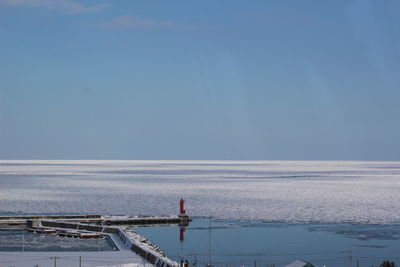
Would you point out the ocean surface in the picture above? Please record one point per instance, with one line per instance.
(23, 241)
(271, 191)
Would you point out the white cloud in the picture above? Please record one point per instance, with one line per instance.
(130, 22)
(69, 6)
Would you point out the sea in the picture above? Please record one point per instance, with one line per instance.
(246, 213)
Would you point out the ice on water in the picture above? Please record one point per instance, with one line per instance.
(288, 191)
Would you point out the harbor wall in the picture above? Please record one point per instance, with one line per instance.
(155, 258)
(135, 242)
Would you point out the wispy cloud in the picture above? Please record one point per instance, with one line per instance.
(69, 6)
(131, 22)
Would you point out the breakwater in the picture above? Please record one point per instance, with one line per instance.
(99, 219)
(117, 227)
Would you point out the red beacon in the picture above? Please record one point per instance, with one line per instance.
(182, 207)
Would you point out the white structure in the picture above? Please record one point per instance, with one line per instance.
(300, 263)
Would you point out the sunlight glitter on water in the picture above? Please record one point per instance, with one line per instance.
(289, 191)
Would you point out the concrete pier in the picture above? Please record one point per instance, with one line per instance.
(99, 219)
(116, 227)
(21, 220)
(146, 220)
(129, 238)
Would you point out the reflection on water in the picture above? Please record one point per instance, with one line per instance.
(241, 243)
(24, 241)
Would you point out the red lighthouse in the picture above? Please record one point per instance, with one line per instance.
(184, 220)
(182, 207)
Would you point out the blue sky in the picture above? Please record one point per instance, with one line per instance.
(295, 80)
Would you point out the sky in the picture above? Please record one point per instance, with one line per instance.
(235, 80)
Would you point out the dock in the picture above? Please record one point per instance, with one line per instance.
(117, 228)
(21, 220)
(99, 219)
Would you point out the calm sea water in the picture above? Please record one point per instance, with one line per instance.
(249, 243)
(19, 241)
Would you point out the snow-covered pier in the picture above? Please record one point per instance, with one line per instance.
(122, 237)
(146, 220)
(117, 228)
(99, 219)
(21, 220)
